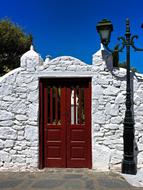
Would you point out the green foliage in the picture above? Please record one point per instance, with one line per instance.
(13, 43)
(124, 65)
(116, 62)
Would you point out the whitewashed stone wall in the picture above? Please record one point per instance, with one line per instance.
(19, 109)
(108, 110)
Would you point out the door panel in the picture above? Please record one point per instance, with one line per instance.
(67, 122)
(78, 127)
(54, 126)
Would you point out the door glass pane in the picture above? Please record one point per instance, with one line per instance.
(48, 106)
(54, 105)
(59, 105)
(82, 107)
(72, 106)
(77, 106)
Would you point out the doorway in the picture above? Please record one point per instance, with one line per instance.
(65, 123)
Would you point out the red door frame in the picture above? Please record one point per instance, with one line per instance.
(41, 119)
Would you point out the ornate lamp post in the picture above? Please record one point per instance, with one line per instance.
(104, 28)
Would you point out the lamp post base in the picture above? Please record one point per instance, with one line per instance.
(129, 167)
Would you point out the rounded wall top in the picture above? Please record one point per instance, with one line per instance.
(31, 53)
(33, 57)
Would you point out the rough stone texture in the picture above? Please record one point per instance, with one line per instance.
(109, 89)
(19, 108)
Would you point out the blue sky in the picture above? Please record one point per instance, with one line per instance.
(68, 27)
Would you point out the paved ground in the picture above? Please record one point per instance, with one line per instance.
(63, 180)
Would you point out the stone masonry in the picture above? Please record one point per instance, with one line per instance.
(19, 109)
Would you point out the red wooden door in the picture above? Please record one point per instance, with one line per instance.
(65, 138)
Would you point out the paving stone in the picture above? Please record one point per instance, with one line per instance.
(72, 176)
(89, 184)
(113, 183)
(73, 185)
(26, 184)
(9, 183)
(48, 183)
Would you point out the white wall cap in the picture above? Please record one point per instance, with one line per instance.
(101, 52)
(31, 53)
(48, 58)
(33, 56)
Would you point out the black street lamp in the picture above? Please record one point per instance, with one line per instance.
(104, 28)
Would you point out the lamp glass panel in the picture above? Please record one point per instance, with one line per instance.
(105, 34)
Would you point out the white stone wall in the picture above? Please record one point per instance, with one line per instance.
(19, 109)
(108, 110)
(18, 130)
